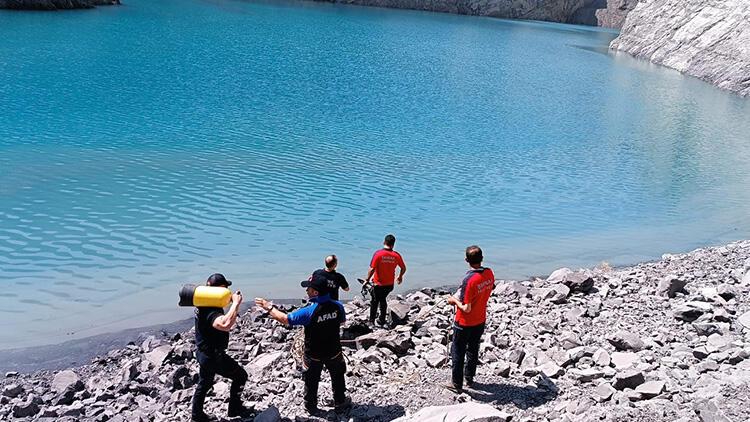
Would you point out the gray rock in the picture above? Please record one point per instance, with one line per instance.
(650, 389)
(613, 16)
(464, 412)
(706, 328)
(628, 379)
(579, 282)
(744, 320)
(157, 356)
(707, 39)
(27, 408)
(688, 312)
(263, 362)
(625, 340)
(516, 356)
(502, 369)
(399, 312)
(726, 292)
(604, 391)
(708, 411)
(707, 366)
(12, 390)
(559, 294)
(670, 285)
(601, 357)
(558, 276)
(398, 343)
(585, 375)
(66, 381)
(551, 369)
(436, 358)
(368, 340)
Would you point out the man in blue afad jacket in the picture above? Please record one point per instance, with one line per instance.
(322, 320)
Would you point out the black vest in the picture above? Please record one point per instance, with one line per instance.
(322, 339)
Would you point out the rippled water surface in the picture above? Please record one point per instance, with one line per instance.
(152, 144)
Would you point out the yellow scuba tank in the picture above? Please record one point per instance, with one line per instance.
(205, 296)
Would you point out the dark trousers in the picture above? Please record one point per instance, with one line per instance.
(336, 368)
(465, 347)
(221, 364)
(379, 295)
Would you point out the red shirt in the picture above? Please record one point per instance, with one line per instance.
(385, 262)
(475, 289)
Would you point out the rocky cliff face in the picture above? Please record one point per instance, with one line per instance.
(708, 39)
(53, 4)
(566, 11)
(615, 12)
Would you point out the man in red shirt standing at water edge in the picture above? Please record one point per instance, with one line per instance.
(383, 268)
(471, 314)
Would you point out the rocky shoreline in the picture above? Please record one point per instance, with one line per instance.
(54, 4)
(607, 13)
(663, 340)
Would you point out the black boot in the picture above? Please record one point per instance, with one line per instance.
(200, 417)
(343, 407)
(236, 408)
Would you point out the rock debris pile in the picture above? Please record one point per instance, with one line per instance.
(666, 340)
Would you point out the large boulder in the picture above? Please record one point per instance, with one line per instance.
(464, 412)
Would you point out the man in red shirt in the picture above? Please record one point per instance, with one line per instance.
(471, 314)
(383, 268)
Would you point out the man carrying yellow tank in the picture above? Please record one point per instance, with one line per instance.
(212, 328)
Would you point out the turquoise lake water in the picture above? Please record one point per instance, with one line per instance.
(152, 144)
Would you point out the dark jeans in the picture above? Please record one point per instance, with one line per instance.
(465, 345)
(379, 295)
(336, 368)
(210, 366)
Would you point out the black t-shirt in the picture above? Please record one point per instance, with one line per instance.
(334, 281)
(207, 338)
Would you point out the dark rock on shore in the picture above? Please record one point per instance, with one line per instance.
(54, 4)
(610, 351)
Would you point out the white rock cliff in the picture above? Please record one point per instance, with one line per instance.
(708, 39)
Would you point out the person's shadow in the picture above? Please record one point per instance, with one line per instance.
(359, 412)
(522, 397)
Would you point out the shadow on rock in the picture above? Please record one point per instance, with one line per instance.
(522, 397)
(359, 412)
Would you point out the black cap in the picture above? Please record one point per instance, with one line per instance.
(318, 283)
(218, 280)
